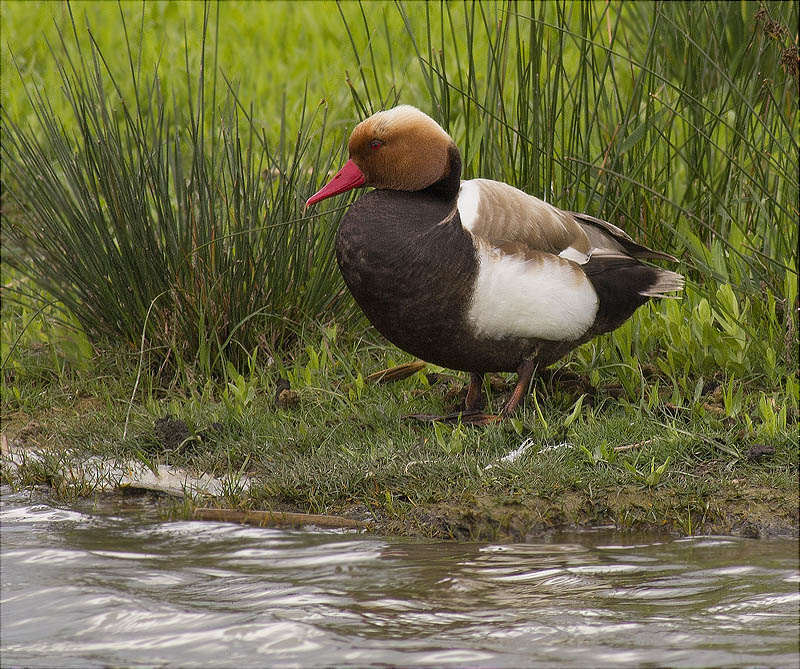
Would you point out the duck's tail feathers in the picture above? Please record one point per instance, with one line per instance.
(665, 282)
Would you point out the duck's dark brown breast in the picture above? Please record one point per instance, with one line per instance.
(411, 276)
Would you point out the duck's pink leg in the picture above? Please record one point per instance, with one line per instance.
(472, 406)
(474, 399)
(475, 417)
(524, 372)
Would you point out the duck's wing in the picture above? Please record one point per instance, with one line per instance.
(503, 217)
(500, 215)
(608, 237)
(613, 250)
(530, 281)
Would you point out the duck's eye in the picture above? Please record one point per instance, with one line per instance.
(376, 144)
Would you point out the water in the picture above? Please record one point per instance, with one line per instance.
(87, 588)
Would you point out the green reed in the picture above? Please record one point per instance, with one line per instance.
(181, 228)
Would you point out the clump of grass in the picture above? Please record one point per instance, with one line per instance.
(182, 230)
(589, 107)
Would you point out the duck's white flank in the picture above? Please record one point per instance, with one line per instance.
(544, 298)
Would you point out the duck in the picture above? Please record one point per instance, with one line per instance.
(476, 275)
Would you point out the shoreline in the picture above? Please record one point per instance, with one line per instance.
(741, 510)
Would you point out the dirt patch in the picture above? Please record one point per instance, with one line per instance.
(752, 512)
(757, 511)
(19, 430)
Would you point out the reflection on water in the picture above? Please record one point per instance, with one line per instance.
(80, 588)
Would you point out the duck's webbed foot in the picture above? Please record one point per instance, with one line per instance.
(475, 417)
(473, 404)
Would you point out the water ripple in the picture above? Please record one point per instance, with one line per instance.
(95, 590)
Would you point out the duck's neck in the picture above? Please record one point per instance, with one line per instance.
(447, 187)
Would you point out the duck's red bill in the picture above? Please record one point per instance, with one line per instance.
(346, 178)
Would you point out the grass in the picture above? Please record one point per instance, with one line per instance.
(345, 447)
(157, 260)
(171, 228)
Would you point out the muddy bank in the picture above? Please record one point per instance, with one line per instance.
(749, 512)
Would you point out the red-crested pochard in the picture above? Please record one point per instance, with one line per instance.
(477, 275)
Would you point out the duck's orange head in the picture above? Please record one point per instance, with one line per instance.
(400, 148)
